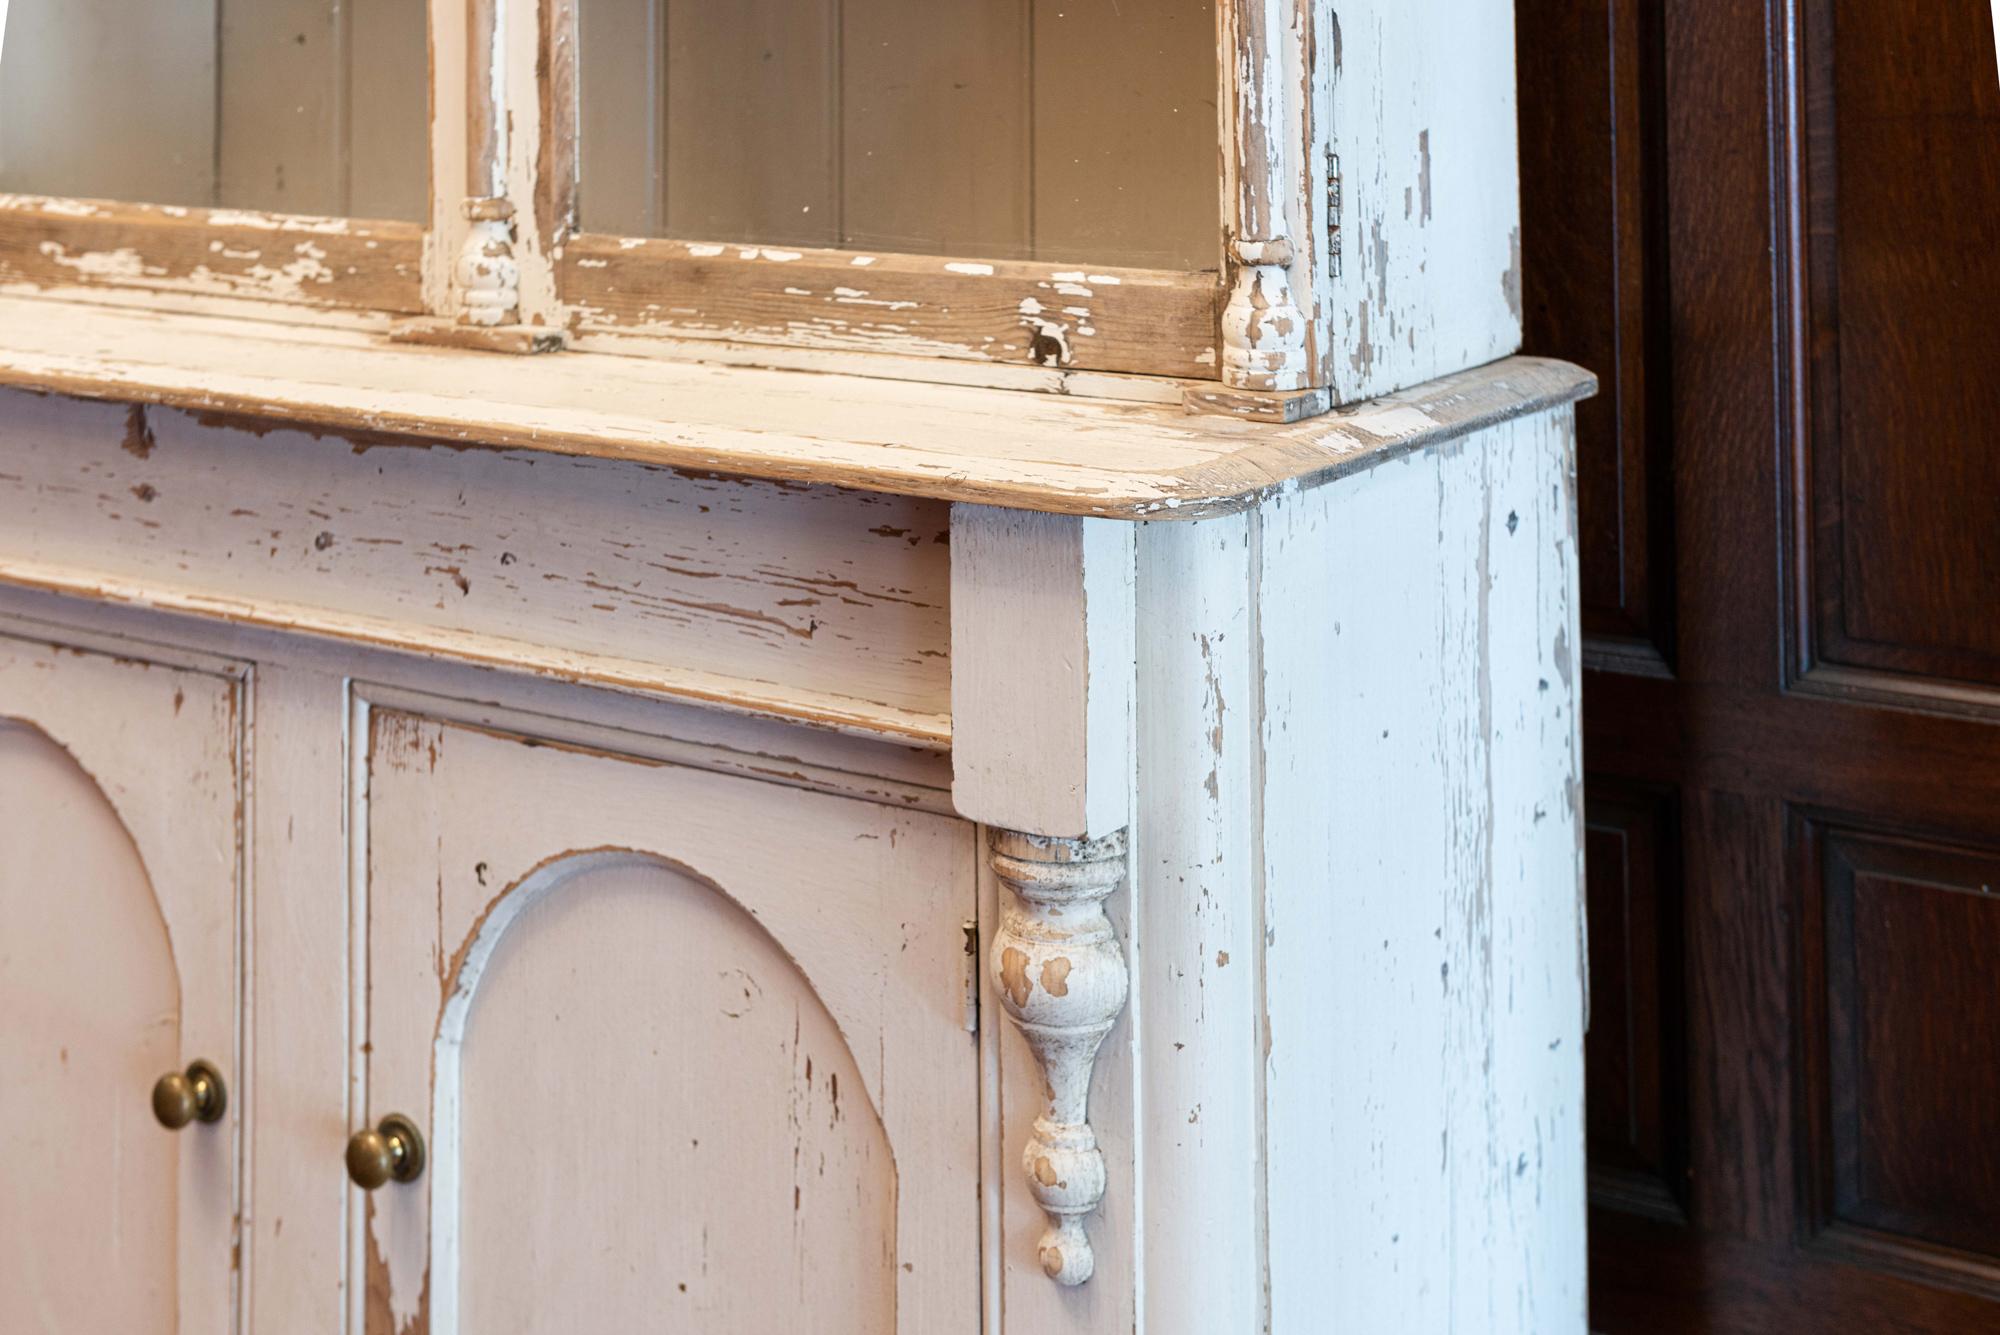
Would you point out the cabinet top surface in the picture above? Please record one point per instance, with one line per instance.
(1023, 450)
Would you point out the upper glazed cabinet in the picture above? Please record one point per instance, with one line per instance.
(1016, 193)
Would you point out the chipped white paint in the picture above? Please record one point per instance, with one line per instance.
(1268, 1108)
(1199, 1004)
(1058, 970)
(820, 604)
(489, 280)
(1262, 645)
(1141, 321)
(296, 267)
(277, 222)
(1045, 452)
(1422, 895)
(121, 800)
(1041, 625)
(1417, 100)
(124, 262)
(837, 1118)
(67, 208)
(1266, 343)
(1263, 330)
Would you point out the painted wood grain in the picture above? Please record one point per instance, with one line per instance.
(1420, 853)
(696, 736)
(1041, 691)
(1157, 322)
(295, 1069)
(810, 603)
(457, 885)
(1199, 940)
(1268, 330)
(264, 257)
(688, 1195)
(958, 443)
(1017, 1285)
(126, 774)
(89, 1234)
(1420, 120)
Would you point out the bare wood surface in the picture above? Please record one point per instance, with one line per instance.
(48, 242)
(1037, 452)
(1027, 313)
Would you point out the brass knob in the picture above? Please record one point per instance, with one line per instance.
(391, 1150)
(194, 1095)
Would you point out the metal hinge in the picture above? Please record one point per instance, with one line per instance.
(971, 976)
(1333, 207)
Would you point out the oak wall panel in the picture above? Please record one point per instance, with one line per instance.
(1634, 1092)
(1899, 264)
(1593, 261)
(1900, 938)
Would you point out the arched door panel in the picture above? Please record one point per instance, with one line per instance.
(639, 1050)
(692, 1049)
(118, 895)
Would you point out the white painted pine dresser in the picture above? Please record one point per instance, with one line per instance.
(862, 774)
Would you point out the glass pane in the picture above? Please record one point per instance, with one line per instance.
(1046, 129)
(296, 106)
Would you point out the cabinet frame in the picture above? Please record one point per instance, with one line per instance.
(47, 676)
(502, 265)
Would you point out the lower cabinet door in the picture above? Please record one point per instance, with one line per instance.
(119, 800)
(688, 1051)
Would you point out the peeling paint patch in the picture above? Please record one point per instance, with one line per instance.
(123, 262)
(1510, 281)
(1424, 175)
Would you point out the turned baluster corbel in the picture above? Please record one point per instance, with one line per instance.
(1061, 977)
(488, 278)
(1263, 329)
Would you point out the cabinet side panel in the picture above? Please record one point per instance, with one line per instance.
(1424, 1073)
(1196, 951)
(1428, 280)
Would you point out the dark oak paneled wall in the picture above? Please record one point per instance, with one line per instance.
(1592, 205)
(1900, 184)
(1773, 227)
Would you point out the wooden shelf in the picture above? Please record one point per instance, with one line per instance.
(1000, 447)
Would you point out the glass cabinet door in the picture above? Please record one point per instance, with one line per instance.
(290, 106)
(1055, 130)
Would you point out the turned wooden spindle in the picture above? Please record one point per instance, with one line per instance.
(1061, 976)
